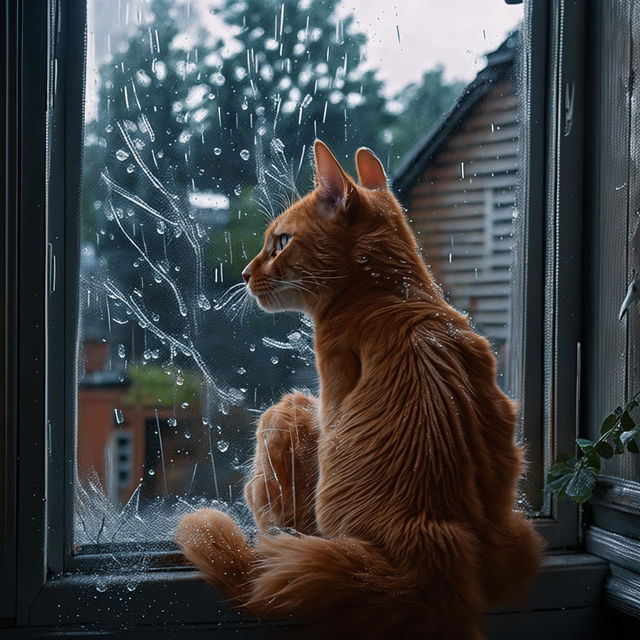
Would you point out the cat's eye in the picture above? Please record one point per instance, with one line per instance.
(282, 241)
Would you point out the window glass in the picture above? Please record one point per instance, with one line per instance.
(199, 119)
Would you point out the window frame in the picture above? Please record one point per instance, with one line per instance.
(552, 201)
(40, 303)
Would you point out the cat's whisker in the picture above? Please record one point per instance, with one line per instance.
(230, 297)
(318, 278)
(308, 281)
(264, 205)
(317, 281)
(283, 198)
(313, 275)
(318, 270)
(267, 216)
(232, 303)
(247, 307)
(271, 298)
(233, 287)
(229, 304)
(241, 308)
(239, 305)
(266, 213)
(294, 284)
(282, 203)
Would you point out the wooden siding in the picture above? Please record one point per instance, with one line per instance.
(463, 206)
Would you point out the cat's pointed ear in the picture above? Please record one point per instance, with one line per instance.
(333, 184)
(370, 170)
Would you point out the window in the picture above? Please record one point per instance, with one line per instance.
(198, 124)
(143, 369)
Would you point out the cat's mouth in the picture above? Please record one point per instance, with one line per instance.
(269, 301)
(280, 297)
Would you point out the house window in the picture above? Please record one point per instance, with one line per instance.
(147, 369)
(198, 124)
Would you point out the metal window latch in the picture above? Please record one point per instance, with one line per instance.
(633, 294)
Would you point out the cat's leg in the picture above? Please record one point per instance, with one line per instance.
(511, 565)
(281, 491)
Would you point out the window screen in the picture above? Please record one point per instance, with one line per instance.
(199, 119)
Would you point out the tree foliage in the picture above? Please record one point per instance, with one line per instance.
(419, 106)
(179, 116)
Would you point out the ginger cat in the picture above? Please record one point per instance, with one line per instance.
(400, 479)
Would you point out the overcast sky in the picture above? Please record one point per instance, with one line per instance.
(405, 37)
(454, 33)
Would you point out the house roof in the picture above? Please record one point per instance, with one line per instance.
(417, 159)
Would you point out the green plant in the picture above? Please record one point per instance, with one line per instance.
(575, 477)
(151, 385)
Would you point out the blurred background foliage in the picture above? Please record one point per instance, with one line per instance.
(200, 110)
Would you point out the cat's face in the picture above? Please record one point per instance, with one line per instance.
(303, 260)
(319, 246)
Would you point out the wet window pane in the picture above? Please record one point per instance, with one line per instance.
(199, 118)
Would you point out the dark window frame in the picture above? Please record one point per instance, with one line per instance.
(44, 145)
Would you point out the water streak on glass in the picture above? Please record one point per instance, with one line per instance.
(199, 121)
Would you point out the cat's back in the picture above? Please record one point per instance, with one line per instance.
(402, 432)
(440, 376)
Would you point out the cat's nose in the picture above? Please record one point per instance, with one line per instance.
(246, 274)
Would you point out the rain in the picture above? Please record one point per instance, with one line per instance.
(198, 133)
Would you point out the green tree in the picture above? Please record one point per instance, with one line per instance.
(180, 115)
(296, 74)
(418, 107)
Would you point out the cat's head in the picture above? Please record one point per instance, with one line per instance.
(344, 237)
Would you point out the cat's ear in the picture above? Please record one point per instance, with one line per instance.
(333, 184)
(370, 170)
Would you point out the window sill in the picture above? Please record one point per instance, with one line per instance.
(569, 588)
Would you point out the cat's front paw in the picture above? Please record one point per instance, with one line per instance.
(281, 489)
(291, 408)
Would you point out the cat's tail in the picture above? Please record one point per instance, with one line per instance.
(305, 575)
(341, 583)
(214, 543)
(349, 585)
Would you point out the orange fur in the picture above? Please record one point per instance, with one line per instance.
(401, 478)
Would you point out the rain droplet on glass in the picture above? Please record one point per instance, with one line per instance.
(203, 302)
